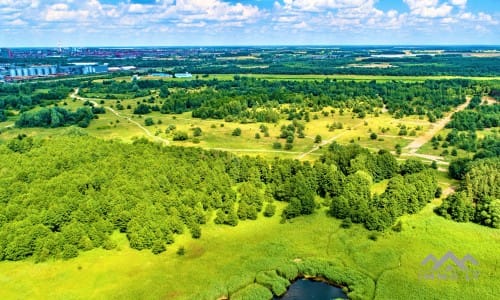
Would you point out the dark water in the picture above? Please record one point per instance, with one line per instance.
(304, 289)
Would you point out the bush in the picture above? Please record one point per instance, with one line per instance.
(270, 210)
(142, 109)
(439, 192)
(346, 223)
(277, 145)
(373, 236)
(272, 281)
(236, 132)
(158, 247)
(180, 136)
(197, 132)
(69, 251)
(373, 136)
(181, 251)
(149, 122)
(317, 139)
(252, 292)
(398, 227)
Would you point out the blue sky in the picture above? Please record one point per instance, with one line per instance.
(247, 22)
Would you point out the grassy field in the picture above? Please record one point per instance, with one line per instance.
(217, 134)
(226, 259)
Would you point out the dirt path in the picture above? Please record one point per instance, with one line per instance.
(490, 100)
(414, 146)
(326, 142)
(252, 150)
(148, 133)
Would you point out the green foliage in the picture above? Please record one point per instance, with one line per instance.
(270, 210)
(197, 132)
(317, 139)
(181, 251)
(149, 122)
(481, 117)
(346, 223)
(55, 117)
(236, 132)
(411, 166)
(253, 292)
(272, 281)
(180, 136)
(142, 109)
(459, 167)
(457, 207)
(477, 198)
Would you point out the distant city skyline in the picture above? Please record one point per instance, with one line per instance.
(80, 23)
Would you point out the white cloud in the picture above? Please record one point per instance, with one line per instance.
(460, 3)
(429, 8)
(17, 22)
(235, 20)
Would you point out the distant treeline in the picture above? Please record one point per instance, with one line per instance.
(254, 99)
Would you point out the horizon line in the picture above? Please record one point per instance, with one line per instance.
(252, 45)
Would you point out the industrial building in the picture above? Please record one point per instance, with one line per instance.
(183, 75)
(47, 70)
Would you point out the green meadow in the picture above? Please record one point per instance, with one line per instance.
(227, 259)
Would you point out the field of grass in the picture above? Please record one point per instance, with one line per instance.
(217, 134)
(226, 259)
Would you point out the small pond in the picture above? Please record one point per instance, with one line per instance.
(305, 289)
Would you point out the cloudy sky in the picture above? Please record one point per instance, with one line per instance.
(246, 22)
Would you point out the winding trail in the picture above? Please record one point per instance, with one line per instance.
(326, 142)
(74, 95)
(411, 149)
(414, 146)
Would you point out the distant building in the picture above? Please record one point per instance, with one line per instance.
(5, 53)
(164, 75)
(183, 75)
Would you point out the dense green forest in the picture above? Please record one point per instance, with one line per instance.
(478, 197)
(152, 193)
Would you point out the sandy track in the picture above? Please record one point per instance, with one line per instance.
(414, 146)
(148, 133)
